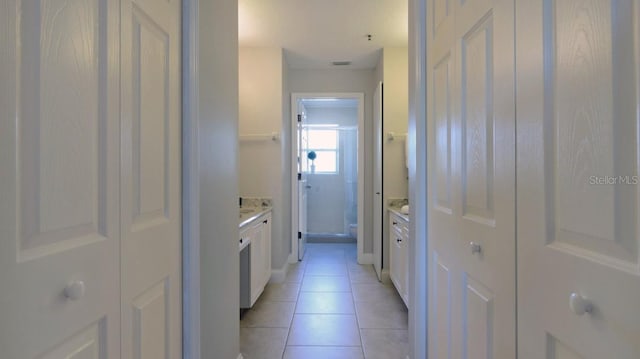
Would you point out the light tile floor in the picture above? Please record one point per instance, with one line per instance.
(329, 307)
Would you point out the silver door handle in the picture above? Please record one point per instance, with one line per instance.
(74, 290)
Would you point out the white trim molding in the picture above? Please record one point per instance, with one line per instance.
(190, 184)
(294, 170)
(279, 275)
(365, 258)
(417, 138)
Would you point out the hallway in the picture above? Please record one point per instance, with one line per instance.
(328, 307)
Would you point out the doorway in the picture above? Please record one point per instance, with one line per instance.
(328, 163)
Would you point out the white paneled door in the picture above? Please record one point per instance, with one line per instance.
(59, 191)
(150, 179)
(471, 121)
(578, 191)
(90, 179)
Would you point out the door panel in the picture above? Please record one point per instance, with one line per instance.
(150, 322)
(150, 180)
(478, 320)
(578, 197)
(84, 345)
(59, 184)
(442, 130)
(477, 123)
(472, 186)
(442, 309)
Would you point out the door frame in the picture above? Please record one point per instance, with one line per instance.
(418, 195)
(191, 334)
(417, 135)
(295, 97)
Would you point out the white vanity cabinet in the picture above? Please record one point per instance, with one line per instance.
(399, 254)
(255, 265)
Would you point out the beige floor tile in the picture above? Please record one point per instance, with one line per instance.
(363, 274)
(266, 314)
(330, 260)
(323, 353)
(325, 284)
(381, 315)
(324, 329)
(281, 292)
(326, 268)
(325, 303)
(262, 343)
(295, 273)
(385, 343)
(375, 292)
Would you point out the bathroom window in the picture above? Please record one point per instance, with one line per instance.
(324, 142)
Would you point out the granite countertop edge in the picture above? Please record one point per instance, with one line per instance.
(259, 211)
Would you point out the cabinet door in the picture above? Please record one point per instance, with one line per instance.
(266, 240)
(395, 259)
(257, 261)
(404, 267)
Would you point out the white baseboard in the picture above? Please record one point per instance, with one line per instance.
(241, 357)
(365, 258)
(292, 258)
(384, 276)
(279, 275)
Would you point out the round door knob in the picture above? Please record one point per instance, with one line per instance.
(579, 305)
(74, 290)
(475, 248)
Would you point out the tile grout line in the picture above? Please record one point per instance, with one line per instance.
(295, 306)
(353, 300)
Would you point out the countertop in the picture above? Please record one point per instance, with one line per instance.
(248, 214)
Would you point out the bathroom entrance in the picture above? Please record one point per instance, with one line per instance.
(328, 164)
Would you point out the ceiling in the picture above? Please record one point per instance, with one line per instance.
(314, 33)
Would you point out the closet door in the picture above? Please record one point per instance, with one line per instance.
(59, 196)
(471, 119)
(578, 190)
(150, 179)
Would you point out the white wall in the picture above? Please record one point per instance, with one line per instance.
(218, 122)
(393, 71)
(326, 198)
(343, 80)
(264, 165)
